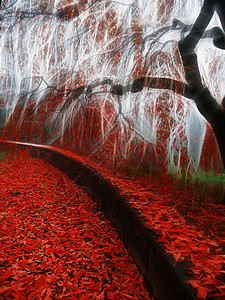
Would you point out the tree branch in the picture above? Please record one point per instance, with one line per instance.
(206, 104)
(191, 40)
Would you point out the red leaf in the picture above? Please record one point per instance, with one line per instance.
(194, 283)
(177, 256)
(202, 292)
(221, 287)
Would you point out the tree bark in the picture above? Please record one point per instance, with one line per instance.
(206, 104)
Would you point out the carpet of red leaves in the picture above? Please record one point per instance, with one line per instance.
(191, 230)
(184, 240)
(182, 231)
(188, 242)
(55, 243)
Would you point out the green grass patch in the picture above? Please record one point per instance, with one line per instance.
(201, 177)
(210, 178)
(205, 187)
(2, 155)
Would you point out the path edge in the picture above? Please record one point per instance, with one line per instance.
(162, 279)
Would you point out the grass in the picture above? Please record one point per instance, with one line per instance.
(205, 187)
(210, 178)
(2, 155)
(198, 197)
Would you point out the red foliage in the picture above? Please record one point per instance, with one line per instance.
(185, 241)
(55, 243)
(95, 130)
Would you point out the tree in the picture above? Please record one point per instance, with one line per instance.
(110, 62)
(207, 105)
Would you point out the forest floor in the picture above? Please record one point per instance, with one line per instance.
(189, 220)
(200, 204)
(189, 225)
(199, 201)
(54, 241)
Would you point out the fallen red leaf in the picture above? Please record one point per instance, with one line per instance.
(202, 292)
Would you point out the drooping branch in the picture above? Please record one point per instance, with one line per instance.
(215, 33)
(65, 13)
(138, 85)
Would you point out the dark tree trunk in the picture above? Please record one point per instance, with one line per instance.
(206, 104)
(215, 115)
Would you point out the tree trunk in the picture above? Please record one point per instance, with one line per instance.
(206, 104)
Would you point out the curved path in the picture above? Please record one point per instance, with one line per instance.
(54, 241)
(189, 264)
(163, 278)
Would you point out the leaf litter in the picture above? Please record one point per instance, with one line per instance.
(55, 243)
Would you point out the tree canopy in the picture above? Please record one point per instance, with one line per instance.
(106, 78)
